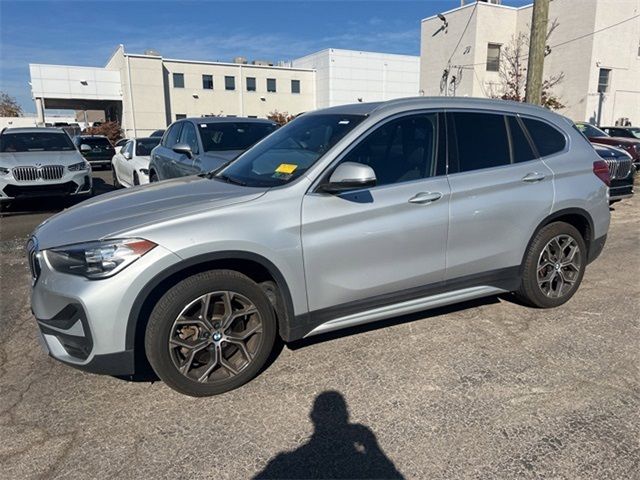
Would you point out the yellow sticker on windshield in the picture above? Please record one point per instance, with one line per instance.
(286, 168)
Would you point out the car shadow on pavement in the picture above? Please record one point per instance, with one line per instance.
(336, 449)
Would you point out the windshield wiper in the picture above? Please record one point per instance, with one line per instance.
(212, 173)
(228, 179)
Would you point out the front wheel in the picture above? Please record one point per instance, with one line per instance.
(210, 333)
(553, 266)
(114, 178)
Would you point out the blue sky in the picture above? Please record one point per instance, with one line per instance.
(85, 32)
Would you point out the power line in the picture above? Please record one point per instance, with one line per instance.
(525, 57)
(475, 6)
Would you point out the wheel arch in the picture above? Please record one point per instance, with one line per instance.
(577, 217)
(255, 266)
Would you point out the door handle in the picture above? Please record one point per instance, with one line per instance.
(425, 197)
(533, 177)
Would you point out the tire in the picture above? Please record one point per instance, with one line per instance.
(114, 177)
(153, 178)
(546, 283)
(203, 358)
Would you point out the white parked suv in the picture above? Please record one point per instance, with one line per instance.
(36, 162)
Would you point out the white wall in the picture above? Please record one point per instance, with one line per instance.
(60, 81)
(579, 60)
(349, 76)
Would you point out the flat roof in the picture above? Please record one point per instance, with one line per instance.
(462, 7)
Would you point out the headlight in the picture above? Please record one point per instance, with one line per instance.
(80, 166)
(98, 259)
(4, 171)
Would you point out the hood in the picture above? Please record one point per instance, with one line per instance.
(212, 160)
(113, 214)
(25, 159)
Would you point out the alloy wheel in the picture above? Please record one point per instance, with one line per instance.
(559, 266)
(215, 337)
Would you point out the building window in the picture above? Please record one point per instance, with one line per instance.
(180, 116)
(295, 86)
(493, 57)
(178, 80)
(207, 82)
(229, 83)
(271, 84)
(251, 84)
(603, 80)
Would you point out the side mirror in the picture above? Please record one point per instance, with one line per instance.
(350, 176)
(184, 149)
(85, 148)
(127, 155)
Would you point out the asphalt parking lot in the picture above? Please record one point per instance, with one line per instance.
(487, 389)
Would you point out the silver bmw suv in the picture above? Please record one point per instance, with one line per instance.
(41, 162)
(345, 216)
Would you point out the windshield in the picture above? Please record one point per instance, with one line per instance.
(36, 142)
(145, 145)
(96, 142)
(590, 130)
(289, 152)
(217, 137)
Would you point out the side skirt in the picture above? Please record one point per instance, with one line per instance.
(404, 302)
(405, 308)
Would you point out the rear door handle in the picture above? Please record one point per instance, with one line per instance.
(533, 177)
(425, 197)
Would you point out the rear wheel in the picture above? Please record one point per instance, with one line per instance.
(210, 333)
(554, 266)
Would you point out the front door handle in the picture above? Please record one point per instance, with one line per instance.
(425, 197)
(533, 177)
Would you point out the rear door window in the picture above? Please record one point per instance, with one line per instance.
(520, 145)
(479, 141)
(546, 138)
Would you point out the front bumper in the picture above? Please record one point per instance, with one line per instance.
(83, 323)
(621, 189)
(71, 183)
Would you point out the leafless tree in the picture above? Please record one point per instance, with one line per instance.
(9, 106)
(513, 72)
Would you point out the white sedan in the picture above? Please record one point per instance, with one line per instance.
(130, 166)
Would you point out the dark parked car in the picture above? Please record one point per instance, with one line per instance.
(624, 132)
(621, 170)
(96, 149)
(158, 133)
(196, 145)
(595, 135)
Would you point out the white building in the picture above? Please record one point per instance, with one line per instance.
(148, 92)
(596, 45)
(349, 76)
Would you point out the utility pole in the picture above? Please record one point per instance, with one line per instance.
(537, 41)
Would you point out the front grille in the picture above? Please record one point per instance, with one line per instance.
(619, 167)
(46, 172)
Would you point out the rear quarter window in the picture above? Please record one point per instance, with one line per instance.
(546, 138)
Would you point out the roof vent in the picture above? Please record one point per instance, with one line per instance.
(152, 53)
